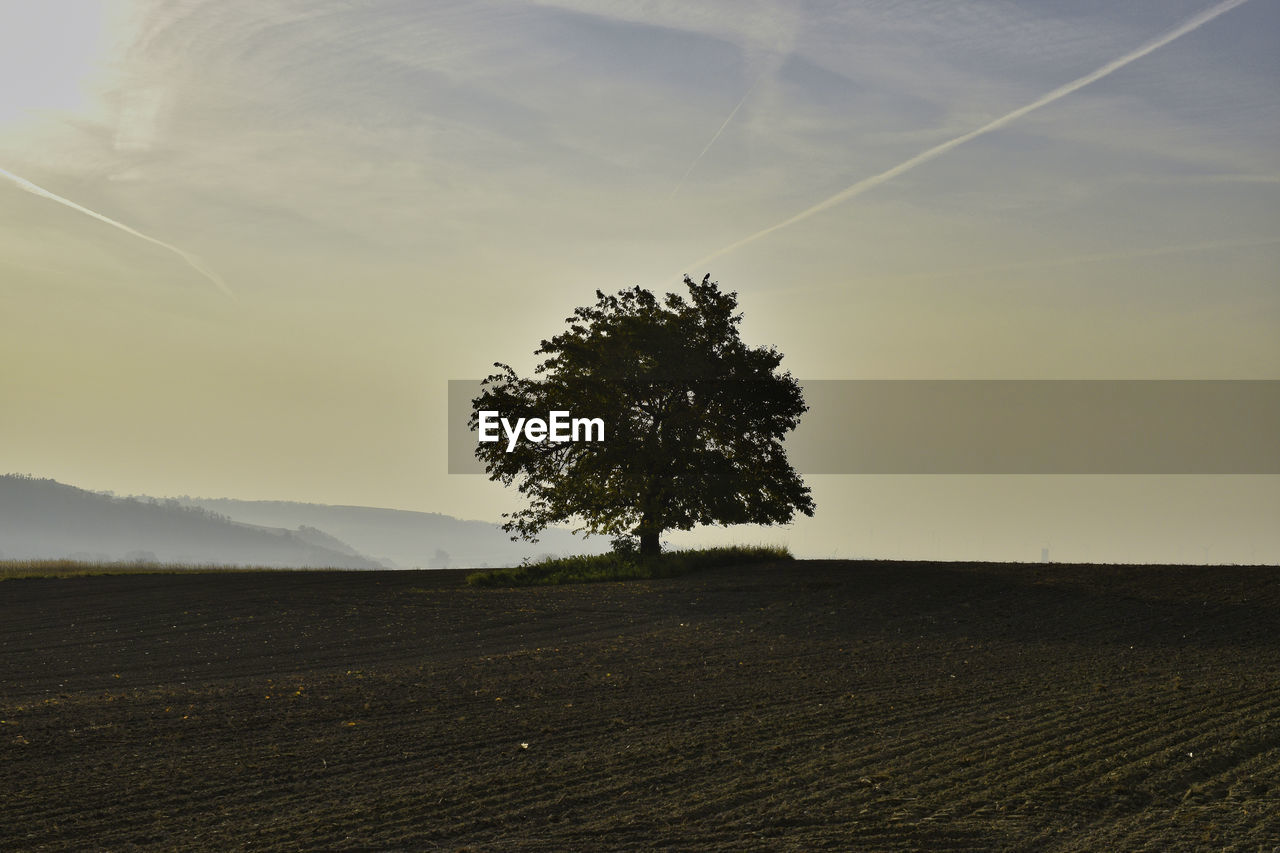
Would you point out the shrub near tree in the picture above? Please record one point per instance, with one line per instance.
(694, 421)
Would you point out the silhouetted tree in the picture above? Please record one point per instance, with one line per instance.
(694, 421)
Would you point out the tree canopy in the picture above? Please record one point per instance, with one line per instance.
(694, 421)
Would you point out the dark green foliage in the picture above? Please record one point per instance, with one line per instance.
(694, 421)
(624, 566)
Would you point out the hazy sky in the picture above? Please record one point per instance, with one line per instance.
(295, 220)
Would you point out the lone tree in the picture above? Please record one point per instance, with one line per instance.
(694, 421)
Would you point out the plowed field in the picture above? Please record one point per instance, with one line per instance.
(803, 706)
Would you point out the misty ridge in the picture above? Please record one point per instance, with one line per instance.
(44, 519)
(404, 538)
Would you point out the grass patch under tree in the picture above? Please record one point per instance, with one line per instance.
(627, 565)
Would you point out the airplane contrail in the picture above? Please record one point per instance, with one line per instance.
(865, 184)
(192, 261)
(713, 139)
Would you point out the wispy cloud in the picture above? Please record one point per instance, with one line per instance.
(873, 181)
(1097, 257)
(192, 261)
(139, 118)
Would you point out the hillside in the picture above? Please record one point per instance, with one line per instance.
(402, 538)
(44, 519)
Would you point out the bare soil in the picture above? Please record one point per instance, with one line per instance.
(816, 705)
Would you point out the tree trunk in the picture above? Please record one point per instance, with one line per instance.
(650, 546)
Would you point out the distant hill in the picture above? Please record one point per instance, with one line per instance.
(403, 538)
(44, 519)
